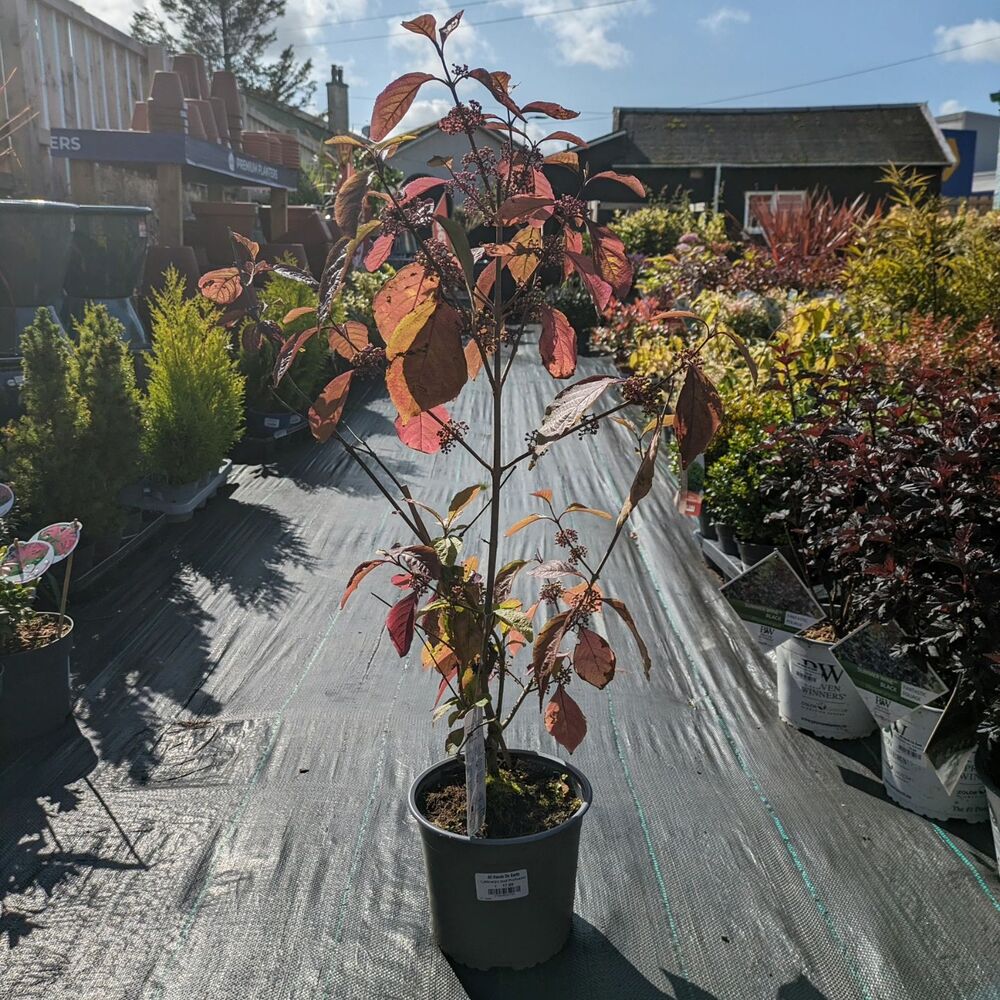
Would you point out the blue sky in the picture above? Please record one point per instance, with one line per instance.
(665, 52)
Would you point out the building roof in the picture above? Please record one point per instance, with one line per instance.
(850, 135)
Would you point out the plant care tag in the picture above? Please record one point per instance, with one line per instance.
(475, 773)
(890, 682)
(26, 561)
(772, 601)
(496, 886)
(950, 747)
(63, 536)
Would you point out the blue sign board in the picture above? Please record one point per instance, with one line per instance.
(956, 181)
(112, 146)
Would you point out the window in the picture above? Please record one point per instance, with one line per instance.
(776, 201)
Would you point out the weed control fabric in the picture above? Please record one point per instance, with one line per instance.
(227, 816)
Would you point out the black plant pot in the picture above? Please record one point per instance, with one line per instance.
(751, 553)
(706, 525)
(501, 903)
(36, 692)
(727, 540)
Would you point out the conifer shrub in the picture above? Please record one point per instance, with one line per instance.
(193, 410)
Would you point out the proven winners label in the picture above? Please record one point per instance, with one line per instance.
(772, 601)
(890, 683)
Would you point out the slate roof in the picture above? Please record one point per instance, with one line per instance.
(850, 135)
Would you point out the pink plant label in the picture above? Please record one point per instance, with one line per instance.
(63, 536)
(6, 499)
(26, 561)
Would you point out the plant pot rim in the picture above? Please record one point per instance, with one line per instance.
(38, 649)
(483, 842)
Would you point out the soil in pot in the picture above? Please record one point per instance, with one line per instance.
(519, 802)
(34, 633)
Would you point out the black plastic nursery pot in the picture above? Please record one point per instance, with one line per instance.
(706, 525)
(751, 553)
(501, 903)
(727, 540)
(35, 697)
(107, 258)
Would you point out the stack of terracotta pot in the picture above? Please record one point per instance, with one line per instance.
(226, 98)
(279, 148)
(165, 110)
(211, 225)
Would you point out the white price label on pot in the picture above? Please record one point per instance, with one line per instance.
(494, 886)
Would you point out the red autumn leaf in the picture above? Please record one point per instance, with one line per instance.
(594, 659)
(627, 180)
(525, 207)
(325, 413)
(557, 343)
(400, 622)
(421, 186)
(450, 25)
(423, 25)
(600, 290)
(485, 281)
(543, 495)
(293, 314)
(545, 651)
(251, 247)
(399, 296)
(571, 596)
(564, 720)
(430, 368)
(698, 415)
(346, 339)
(564, 137)
(422, 433)
(610, 259)
(567, 158)
(360, 572)
(222, 286)
(380, 252)
(497, 84)
(573, 244)
(550, 109)
(350, 197)
(394, 102)
(626, 616)
(288, 353)
(473, 360)
(643, 481)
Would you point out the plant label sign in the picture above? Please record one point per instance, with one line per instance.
(493, 887)
(890, 683)
(772, 601)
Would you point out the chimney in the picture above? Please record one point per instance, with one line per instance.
(338, 117)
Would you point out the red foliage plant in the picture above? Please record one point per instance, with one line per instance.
(459, 313)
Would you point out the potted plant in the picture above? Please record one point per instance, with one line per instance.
(192, 412)
(500, 826)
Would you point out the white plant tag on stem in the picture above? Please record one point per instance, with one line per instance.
(495, 886)
(475, 773)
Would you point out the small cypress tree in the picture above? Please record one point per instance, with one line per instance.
(110, 444)
(192, 413)
(42, 447)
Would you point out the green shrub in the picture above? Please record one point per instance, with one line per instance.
(656, 229)
(193, 410)
(358, 294)
(110, 441)
(42, 447)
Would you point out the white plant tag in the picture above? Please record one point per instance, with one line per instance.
(495, 886)
(475, 773)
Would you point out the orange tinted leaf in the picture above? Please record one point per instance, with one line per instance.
(611, 260)
(545, 650)
(394, 102)
(380, 252)
(643, 481)
(402, 338)
(564, 137)
(422, 185)
(626, 616)
(293, 314)
(600, 290)
(523, 523)
(566, 158)
(422, 433)
(557, 344)
(289, 352)
(423, 25)
(698, 415)
(401, 295)
(522, 265)
(360, 572)
(222, 286)
(400, 622)
(497, 84)
(350, 198)
(473, 360)
(627, 180)
(346, 339)
(578, 508)
(550, 109)
(594, 659)
(572, 595)
(325, 413)
(524, 207)
(544, 495)
(565, 721)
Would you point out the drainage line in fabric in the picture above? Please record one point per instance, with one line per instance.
(233, 824)
(980, 881)
(650, 850)
(807, 880)
(357, 852)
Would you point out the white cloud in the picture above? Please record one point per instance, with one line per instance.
(724, 16)
(951, 107)
(981, 39)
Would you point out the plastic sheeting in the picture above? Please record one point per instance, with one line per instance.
(228, 819)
